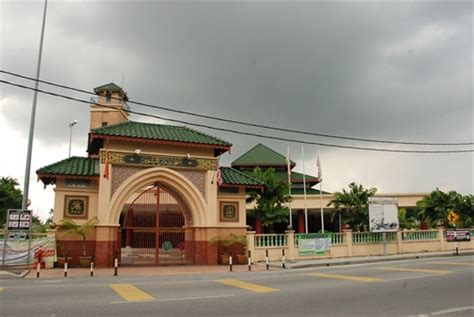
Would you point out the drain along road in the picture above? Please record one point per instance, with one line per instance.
(424, 287)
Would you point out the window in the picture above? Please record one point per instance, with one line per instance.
(108, 96)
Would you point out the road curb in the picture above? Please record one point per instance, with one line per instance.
(375, 259)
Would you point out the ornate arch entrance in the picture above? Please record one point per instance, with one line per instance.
(155, 228)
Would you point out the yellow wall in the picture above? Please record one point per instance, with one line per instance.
(61, 191)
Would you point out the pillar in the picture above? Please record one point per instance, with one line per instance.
(348, 233)
(301, 227)
(128, 232)
(251, 243)
(258, 225)
(399, 242)
(106, 244)
(441, 239)
(290, 239)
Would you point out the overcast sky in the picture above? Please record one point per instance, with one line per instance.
(392, 71)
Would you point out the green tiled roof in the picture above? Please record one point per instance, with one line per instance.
(309, 191)
(261, 155)
(231, 176)
(109, 86)
(163, 132)
(295, 177)
(77, 166)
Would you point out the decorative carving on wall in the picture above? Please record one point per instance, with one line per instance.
(122, 173)
(118, 158)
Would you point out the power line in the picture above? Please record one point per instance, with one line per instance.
(255, 125)
(237, 131)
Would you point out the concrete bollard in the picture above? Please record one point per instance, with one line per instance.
(283, 264)
(249, 260)
(38, 268)
(266, 260)
(230, 263)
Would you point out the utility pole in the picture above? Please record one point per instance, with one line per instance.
(26, 185)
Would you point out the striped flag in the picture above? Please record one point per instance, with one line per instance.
(219, 179)
(320, 172)
(106, 173)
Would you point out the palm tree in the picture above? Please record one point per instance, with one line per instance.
(70, 227)
(434, 208)
(352, 206)
(271, 202)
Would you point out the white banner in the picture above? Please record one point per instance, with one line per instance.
(16, 251)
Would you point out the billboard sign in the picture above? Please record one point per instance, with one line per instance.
(18, 219)
(457, 235)
(383, 214)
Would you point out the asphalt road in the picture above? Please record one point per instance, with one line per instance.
(424, 287)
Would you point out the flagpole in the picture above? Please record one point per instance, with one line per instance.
(320, 176)
(288, 166)
(304, 192)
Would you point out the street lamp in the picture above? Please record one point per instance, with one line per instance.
(71, 124)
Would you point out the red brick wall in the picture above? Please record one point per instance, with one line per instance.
(73, 250)
(103, 252)
(205, 253)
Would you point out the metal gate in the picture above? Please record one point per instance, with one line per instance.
(152, 229)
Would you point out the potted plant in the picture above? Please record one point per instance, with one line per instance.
(230, 243)
(70, 227)
(63, 250)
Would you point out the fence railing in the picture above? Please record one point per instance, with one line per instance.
(338, 238)
(270, 240)
(372, 237)
(420, 235)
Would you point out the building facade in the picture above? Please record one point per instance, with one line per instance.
(153, 190)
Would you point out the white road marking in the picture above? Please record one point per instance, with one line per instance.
(452, 310)
(176, 299)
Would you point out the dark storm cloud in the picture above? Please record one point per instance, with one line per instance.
(399, 71)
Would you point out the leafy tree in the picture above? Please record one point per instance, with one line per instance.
(406, 219)
(353, 206)
(271, 202)
(434, 208)
(10, 197)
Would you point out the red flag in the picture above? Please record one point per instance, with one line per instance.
(106, 173)
(219, 179)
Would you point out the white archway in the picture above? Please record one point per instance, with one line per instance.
(175, 180)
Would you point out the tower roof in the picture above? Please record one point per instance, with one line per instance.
(109, 86)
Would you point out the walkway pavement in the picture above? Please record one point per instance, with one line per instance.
(203, 269)
(369, 259)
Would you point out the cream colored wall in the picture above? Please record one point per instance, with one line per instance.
(314, 201)
(366, 249)
(238, 198)
(111, 116)
(210, 195)
(61, 191)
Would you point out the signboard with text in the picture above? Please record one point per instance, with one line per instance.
(383, 214)
(18, 219)
(457, 235)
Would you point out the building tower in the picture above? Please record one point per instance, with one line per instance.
(115, 108)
